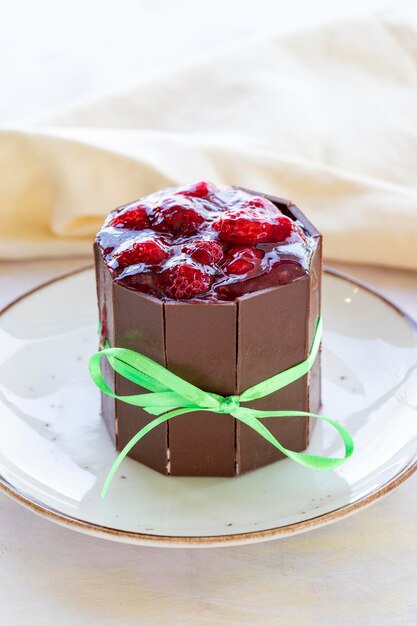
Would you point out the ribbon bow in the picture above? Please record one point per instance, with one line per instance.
(171, 395)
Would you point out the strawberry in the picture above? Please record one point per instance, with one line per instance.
(147, 250)
(204, 252)
(243, 259)
(201, 189)
(261, 205)
(246, 226)
(177, 216)
(281, 229)
(132, 217)
(184, 280)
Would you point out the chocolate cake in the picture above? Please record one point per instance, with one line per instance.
(221, 286)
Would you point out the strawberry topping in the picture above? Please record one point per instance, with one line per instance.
(199, 240)
(133, 217)
(176, 216)
(246, 226)
(184, 280)
(243, 260)
(204, 252)
(201, 189)
(149, 251)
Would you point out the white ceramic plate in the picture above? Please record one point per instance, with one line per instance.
(55, 451)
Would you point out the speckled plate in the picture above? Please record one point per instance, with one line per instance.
(55, 451)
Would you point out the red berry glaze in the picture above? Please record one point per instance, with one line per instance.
(204, 252)
(261, 205)
(243, 260)
(134, 218)
(149, 251)
(246, 226)
(280, 229)
(184, 280)
(201, 189)
(204, 242)
(177, 216)
(286, 272)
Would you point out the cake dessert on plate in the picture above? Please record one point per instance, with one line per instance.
(221, 286)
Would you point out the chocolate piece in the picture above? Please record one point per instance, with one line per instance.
(104, 284)
(201, 348)
(139, 326)
(136, 322)
(264, 349)
(314, 389)
(222, 347)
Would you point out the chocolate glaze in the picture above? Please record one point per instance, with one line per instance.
(223, 347)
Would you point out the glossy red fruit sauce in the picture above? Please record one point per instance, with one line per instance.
(202, 242)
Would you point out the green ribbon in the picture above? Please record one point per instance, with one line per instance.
(171, 395)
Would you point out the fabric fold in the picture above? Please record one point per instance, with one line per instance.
(326, 117)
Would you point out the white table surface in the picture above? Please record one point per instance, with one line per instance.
(359, 571)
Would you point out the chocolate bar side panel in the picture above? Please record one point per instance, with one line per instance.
(315, 308)
(272, 337)
(201, 348)
(139, 326)
(105, 313)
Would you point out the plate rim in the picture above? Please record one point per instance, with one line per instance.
(155, 540)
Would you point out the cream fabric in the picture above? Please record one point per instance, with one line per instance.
(326, 117)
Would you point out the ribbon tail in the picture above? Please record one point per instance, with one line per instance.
(143, 431)
(251, 417)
